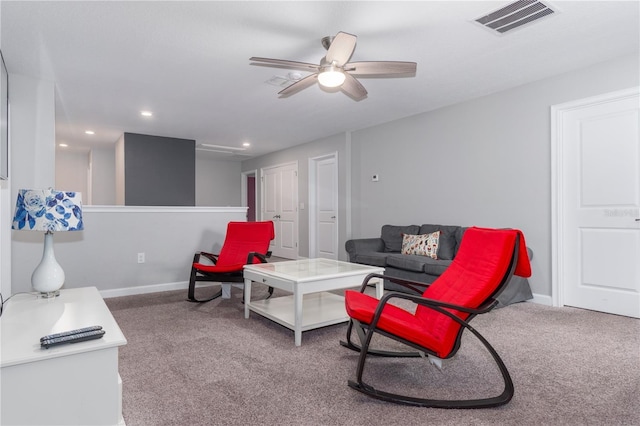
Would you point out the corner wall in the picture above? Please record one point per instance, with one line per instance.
(32, 147)
(5, 218)
(71, 173)
(102, 177)
(217, 182)
(159, 171)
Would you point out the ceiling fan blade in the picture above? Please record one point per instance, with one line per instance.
(341, 48)
(381, 68)
(353, 88)
(299, 85)
(283, 63)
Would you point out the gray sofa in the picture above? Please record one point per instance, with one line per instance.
(385, 251)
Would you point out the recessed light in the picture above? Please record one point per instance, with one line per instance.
(90, 132)
(63, 145)
(246, 144)
(146, 113)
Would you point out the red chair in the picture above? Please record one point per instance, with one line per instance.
(244, 244)
(483, 266)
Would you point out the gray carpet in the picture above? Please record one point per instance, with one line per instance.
(191, 364)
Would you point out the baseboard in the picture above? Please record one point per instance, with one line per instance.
(144, 289)
(541, 299)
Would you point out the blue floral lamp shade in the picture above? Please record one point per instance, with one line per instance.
(48, 211)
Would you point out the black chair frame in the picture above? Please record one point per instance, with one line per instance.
(365, 333)
(229, 277)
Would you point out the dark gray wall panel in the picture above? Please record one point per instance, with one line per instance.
(159, 171)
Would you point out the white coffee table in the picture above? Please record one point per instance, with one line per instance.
(309, 281)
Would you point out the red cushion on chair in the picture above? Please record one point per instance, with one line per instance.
(394, 320)
(242, 238)
(474, 275)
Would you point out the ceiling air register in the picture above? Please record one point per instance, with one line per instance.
(515, 15)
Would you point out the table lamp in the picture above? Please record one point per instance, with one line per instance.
(48, 211)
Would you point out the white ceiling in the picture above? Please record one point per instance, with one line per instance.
(188, 62)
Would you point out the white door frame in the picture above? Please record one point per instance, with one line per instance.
(313, 181)
(244, 191)
(557, 173)
(297, 210)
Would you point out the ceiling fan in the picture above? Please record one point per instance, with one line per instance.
(334, 69)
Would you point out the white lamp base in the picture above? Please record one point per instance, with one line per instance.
(48, 277)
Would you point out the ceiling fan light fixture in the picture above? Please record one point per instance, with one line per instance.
(331, 76)
(334, 67)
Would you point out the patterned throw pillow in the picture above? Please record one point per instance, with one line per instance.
(423, 245)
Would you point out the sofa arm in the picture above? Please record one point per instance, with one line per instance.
(362, 245)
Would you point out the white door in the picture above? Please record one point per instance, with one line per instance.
(599, 200)
(280, 200)
(323, 208)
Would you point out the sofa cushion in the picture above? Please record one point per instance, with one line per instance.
(421, 245)
(408, 262)
(435, 267)
(448, 243)
(392, 236)
(459, 235)
(371, 258)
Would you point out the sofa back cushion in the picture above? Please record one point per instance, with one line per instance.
(448, 244)
(459, 234)
(392, 236)
(417, 263)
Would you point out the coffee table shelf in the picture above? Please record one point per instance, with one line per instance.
(320, 310)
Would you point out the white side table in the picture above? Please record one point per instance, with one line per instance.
(71, 384)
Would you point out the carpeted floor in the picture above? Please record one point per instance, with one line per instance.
(192, 364)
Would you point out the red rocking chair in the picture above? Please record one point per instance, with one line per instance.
(245, 243)
(483, 266)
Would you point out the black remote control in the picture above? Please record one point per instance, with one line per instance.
(74, 338)
(71, 332)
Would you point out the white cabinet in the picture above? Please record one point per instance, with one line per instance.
(70, 384)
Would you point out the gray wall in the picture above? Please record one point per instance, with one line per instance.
(302, 154)
(72, 169)
(103, 176)
(485, 162)
(159, 171)
(218, 182)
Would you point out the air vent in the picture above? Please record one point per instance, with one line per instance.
(515, 15)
